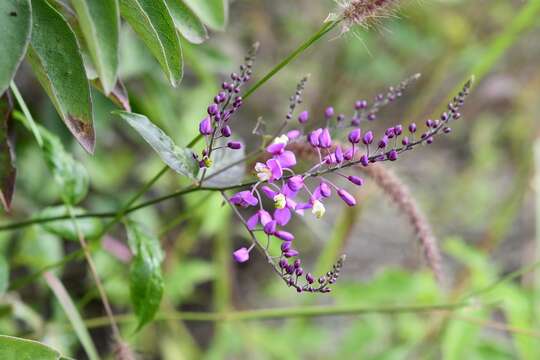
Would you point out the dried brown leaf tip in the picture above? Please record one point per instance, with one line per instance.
(83, 132)
(364, 13)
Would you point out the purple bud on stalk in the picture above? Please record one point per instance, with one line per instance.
(356, 180)
(412, 128)
(226, 131)
(360, 105)
(293, 134)
(241, 255)
(355, 136)
(283, 262)
(325, 140)
(368, 138)
(346, 197)
(284, 235)
(398, 130)
(309, 278)
(270, 227)
(340, 117)
(313, 137)
(329, 112)
(371, 117)
(325, 189)
(383, 142)
(429, 123)
(235, 145)
(205, 126)
(338, 154)
(389, 132)
(405, 141)
(392, 155)
(285, 246)
(213, 109)
(297, 263)
(295, 183)
(364, 160)
(303, 117)
(291, 253)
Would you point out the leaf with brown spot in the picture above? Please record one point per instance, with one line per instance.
(57, 63)
(7, 157)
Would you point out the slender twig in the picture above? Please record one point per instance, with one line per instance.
(292, 312)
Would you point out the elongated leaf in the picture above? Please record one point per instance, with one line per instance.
(7, 166)
(71, 177)
(15, 29)
(146, 281)
(72, 314)
(179, 159)
(12, 348)
(152, 21)
(100, 26)
(187, 22)
(56, 60)
(4, 275)
(90, 227)
(213, 13)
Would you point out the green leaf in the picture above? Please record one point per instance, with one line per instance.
(56, 60)
(213, 13)
(179, 159)
(152, 21)
(118, 95)
(7, 158)
(71, 177)
(90, 227)
(100, 26)
(146, 280)
(4, 275)
(12, 348)
(187, 22)
(72, 313)
(15, 27)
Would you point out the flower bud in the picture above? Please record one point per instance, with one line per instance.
(346, 197)
(355, 136)
(295, 183)
(213, 109)
(329, 112)
(205, 126)
(241, 255)
(412, 128)
(303, 117)
(226, 131)
(368, 138)
(364, 160)
(284, 235)
(356, 180)
(325, 140)
(235, 145)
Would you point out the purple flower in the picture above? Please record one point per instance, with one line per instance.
(412, 128)
(285, 246)
(364, 160)
(244, 199)
(284, 235)
(313, 137)
(303, 117)
(213, 109)
(261, 216)
(338, 154)
(205, 126)
(270, 171)
(226, 131)
(368, 138)
(356, 180)
(329, 112)
(346, 197)
(235, 145)
(360, 105)
(293, 134)
(355, 136)
(390, 132)
(383, 142)
(398, 130)
(275, 148)
(325, 140)
(241, 255)
(392, 155)
(287, 159)
(295, 183)
(270, 227)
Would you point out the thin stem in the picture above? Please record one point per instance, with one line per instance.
(327, 27)
(292, 312)
(95, 275)
(31, 123)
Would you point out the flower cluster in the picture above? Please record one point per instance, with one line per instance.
(281, 192)
(226, 103)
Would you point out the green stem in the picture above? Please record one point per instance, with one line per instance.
(29, 119)
(327, 27)
(293, 312)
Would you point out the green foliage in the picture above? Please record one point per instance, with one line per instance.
(4, 275)
(146, 280)
(12, 348)
(15, 27)
(57, 63)
(152, 21)
(212, 12)
(179, 159)
(100, 25)
(187, 23)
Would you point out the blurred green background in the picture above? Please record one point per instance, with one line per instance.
(477, 188)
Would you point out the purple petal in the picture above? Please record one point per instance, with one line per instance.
(253, 221)
(269, 192)
(241, 255)
(265, 217)
(275, 168)
(282, 216)
(287, 159)
(270, 227)
(276, 148)
(284, 235)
